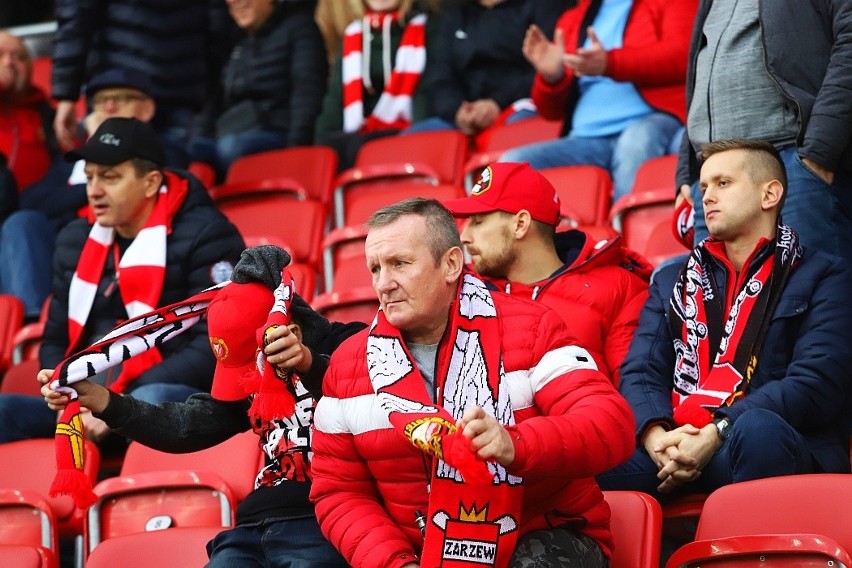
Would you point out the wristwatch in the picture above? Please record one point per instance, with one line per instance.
(723, 426)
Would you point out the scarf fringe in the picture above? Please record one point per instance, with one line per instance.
(75, 483)
(268, 406)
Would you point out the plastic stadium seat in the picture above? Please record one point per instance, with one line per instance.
(353, 304)
(24, 556)
(361, 205)
(21, 379)
(636, 529)
(11, 321)
(158, 490)
(27, 340)
(656, 174)
(796, 520)
(26, 522)
(300, 224)
(584, 193)
(204, 172)
(507, 136)
(427, 157)
(42, 68)
(344, 259)
(636, 215)
(662, 244)
(179, 547)
(309, 170)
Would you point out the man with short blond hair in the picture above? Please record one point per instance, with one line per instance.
(740, 368)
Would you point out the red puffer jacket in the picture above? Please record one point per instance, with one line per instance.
(653, 57)
(368, 480)
(23, 139)
(599, 293)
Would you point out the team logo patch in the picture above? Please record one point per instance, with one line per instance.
(221, 272)
(220, 348)
(483, 182)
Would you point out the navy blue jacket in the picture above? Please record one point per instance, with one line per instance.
(804, 370)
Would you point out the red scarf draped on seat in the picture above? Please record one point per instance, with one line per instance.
(718, 340)
(473, 505)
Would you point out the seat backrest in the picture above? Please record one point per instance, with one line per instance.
(656, 173)
(814, 503)
(204, 172)
(584, 191)
(354, 304)
(21, 379)
(636, 526)
(444, 150)
(27, 519)
(638, 224)
(361, 202)
(312, 166)
(300, 224)
(25, 556)
(184, 547)
(662, 244)
(522, 132)
(236, 460)
(11, 321)
(34, 471)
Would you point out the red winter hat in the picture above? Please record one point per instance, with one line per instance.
(233, 318)
(509, 187)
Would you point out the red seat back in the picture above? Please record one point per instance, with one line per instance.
(11, 321)
(184, 547)
(636, 527)
(584, 193)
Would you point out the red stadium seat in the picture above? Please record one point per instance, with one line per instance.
(636, 215)
(353, 304)
(344, 259)
(204, 172)
(27, 522)
(27, 340)
(795, 520)
(21, 379)
(25, 556)
(584, 193)
(11, 321)
(183, 547)
(636, 529)
(656, 174)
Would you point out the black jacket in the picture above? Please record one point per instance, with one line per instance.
(477, 54)
(200, 238)
(808, 53)
(175, 44)
(276, 78)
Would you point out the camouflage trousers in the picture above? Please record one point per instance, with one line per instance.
(557, 548)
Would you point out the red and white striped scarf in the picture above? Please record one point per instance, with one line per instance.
(139, 275)
(394, 107)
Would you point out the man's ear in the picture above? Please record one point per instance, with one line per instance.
(773, 191)
(146, 110)
(453, 264)
(522, 224)
(153, 181)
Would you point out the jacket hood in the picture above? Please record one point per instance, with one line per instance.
(579, 251)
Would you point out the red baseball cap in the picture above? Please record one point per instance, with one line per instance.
(509, 187)
(233, 318)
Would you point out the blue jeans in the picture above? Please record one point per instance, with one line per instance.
(820, 213)
(654, 135)
(27, 240)
(23, 417)
(761, 445)
(221, 152)
(292, 543)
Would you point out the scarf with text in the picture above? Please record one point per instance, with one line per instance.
(717, 341)
(394, 107)
(132, 338)
(474, 506)
(139, 273)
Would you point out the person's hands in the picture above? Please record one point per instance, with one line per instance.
(824, 174)
(684, 193)
(681, 454)
(488, 438)
(92, 396)
(484, 113)
(64, 124)
(464, 118)
(285, 349)
(544, 55)
(591, 60)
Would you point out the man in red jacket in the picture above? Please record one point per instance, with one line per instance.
(598, 287)
(464, 426)
(615, 75)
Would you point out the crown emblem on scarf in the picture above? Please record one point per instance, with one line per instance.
(472, 515)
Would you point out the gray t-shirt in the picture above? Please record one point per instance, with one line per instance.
(425, 357)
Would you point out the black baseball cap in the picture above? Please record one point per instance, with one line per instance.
(118, 140)
(118, 78)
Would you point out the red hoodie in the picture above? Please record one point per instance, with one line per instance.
(599, 293)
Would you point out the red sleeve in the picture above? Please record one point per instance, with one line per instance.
(551, 99)
(631, 296)
(659, 62)
(347, 500)
(585, 426)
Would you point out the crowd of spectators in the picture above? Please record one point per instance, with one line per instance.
(670, 384)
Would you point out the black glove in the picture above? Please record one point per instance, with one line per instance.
(263, 264)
